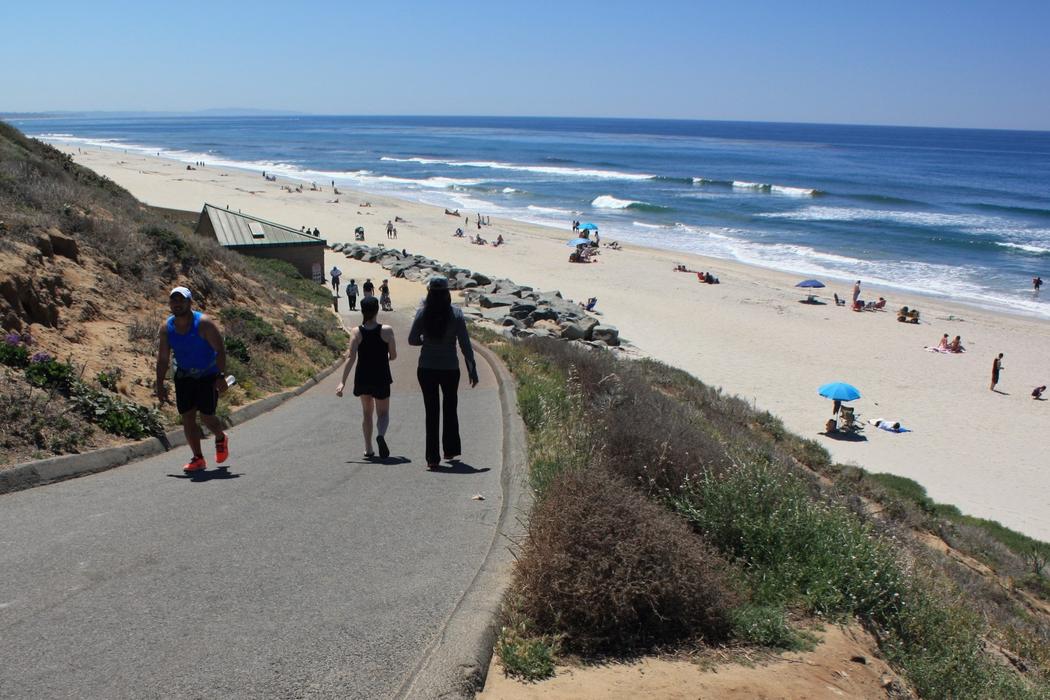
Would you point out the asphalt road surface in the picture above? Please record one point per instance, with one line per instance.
(304, 571)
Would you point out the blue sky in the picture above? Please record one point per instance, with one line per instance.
(923, 62)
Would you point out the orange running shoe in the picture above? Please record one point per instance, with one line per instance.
(222, 449)
(197, 464)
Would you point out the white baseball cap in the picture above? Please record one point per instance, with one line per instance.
(183, 291)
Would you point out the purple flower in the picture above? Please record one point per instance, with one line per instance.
(40, 357)
(12, 339)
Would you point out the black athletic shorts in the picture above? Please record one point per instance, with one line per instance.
(196, 393)
(376, 391)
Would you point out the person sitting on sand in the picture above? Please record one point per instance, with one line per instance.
(499, 241)
(458, 233)
(701, 277)
(880, 304)
(956, 345)
(943, 346)
(589, 306)
(1037, 393)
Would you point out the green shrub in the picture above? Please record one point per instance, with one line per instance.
(324, 330)
(285, 277)
(241, 322)
(170, 244)
(13, 351)
(45, 371)
(108, 378)
(525, 656)
(114, 415)
(235, 347)
(765, 625)
(794, 548)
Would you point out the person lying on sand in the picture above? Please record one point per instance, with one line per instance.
(452, 213)
(1037, 393)
(892, 426)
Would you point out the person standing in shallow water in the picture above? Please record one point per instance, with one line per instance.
(437, 327)
(200, 368)
(372, 347)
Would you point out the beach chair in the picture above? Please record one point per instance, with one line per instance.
(849, 422)
(839, 302)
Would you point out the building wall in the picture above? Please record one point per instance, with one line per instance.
(303, 257)
(204, 227)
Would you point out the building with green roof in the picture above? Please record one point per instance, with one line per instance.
(251, 235)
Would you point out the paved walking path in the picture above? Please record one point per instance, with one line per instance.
(306, 571)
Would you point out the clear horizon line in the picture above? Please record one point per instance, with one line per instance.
(277, 113)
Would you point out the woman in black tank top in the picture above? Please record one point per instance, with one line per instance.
(372, 348)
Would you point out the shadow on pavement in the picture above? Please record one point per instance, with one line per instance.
(458, 467)
(380, 460)
(207, 475)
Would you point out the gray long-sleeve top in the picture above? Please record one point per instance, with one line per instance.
(440, 352)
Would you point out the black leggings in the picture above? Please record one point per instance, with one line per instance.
(430, 381)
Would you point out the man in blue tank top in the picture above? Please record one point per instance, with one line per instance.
(200, 369)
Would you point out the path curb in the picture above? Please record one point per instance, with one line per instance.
(456, 663)
(29, 474)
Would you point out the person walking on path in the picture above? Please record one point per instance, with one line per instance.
(336, 273)
(437, 327)
(372, 347)
(368, 288)
(384, 297)
(200, 368)
(997, 367)
(351, 295)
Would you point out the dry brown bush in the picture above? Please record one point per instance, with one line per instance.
(615, 573)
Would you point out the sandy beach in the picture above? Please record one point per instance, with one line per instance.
(751, 335)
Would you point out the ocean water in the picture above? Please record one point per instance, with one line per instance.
(958, 213)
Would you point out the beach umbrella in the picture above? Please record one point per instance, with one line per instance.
(588, 227)
(810, 284)
(839, 391)
(578, 241)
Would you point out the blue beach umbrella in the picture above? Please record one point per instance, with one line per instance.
(588, 227)
(839, 391)
(578, 241)
(810, 284)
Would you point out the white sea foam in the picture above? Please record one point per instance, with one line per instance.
(911, 218)
(607, 201)
(541, 169)
(549, 210)
(792, 191)
(1038, 250)
(640, 224)
(509, 190)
